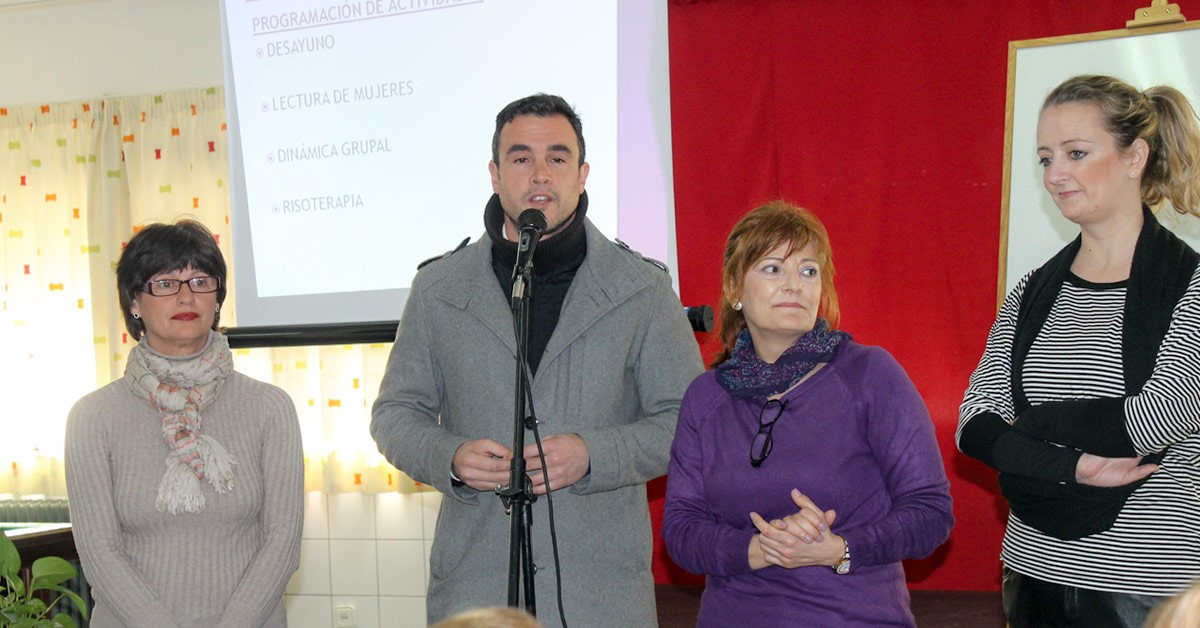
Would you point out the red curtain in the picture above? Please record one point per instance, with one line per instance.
(887, 120)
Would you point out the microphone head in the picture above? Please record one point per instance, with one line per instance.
(532, 219)
(700, 317)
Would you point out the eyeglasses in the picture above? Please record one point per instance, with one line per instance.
(167, 287)
(761, 446)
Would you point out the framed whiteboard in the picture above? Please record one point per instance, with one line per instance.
(1031, 227)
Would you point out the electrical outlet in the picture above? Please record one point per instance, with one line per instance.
(343, 617)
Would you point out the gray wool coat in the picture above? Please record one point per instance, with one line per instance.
(614, 372)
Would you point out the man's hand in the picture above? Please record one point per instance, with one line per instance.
(1095, 470)
(482, 464)
(567, 461)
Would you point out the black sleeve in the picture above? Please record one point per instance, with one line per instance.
(990, 438)
(1096, 426)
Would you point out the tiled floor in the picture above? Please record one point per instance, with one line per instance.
(677, 607)
(368, 553)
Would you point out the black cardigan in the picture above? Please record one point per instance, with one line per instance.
(1162, 268)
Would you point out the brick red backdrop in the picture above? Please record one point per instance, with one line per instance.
(887, 120)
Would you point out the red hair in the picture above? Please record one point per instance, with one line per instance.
(755, 235)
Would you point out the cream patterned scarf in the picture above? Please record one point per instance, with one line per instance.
(180, 388)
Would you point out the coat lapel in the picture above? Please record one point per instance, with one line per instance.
(603, 282)
(479, 285)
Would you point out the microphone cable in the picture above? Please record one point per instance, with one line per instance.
(550, 501)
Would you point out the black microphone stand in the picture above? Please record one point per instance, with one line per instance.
(518, 496)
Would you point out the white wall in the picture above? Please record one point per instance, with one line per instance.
(59, 50)
(368, 552)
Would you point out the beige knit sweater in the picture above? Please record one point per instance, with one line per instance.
(226, 566)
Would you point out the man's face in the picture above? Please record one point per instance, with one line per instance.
(539, 168)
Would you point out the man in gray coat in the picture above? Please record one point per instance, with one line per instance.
(611, 354)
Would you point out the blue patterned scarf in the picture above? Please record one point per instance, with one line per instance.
(746, 376)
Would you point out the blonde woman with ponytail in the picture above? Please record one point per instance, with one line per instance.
(1087, 397)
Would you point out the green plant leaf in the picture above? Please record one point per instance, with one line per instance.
(50, 570)
(10, 558)
(18, 607)
(74, 597)
(17, 586)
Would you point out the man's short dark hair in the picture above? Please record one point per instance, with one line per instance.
(541, 105)
(160, 248)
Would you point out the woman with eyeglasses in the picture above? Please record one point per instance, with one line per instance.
(804, 466)
(185, 478)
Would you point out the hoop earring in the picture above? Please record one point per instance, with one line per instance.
(137, 317)
(218, 310)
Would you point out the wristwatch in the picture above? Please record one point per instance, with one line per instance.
(843, 567)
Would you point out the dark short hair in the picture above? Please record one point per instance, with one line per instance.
(160, 248)
(543, 106)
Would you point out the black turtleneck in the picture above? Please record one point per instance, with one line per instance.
(555, 263)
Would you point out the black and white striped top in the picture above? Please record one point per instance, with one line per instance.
(1153, 548)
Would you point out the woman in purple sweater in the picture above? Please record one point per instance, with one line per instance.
(804, 467)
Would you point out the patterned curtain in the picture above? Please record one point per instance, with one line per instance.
(76, 181)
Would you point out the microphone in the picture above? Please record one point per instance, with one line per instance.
(531, 224)
(700, 317)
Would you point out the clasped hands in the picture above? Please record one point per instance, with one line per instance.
(801, 539)
(484, 464)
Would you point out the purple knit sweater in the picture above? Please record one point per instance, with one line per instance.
(855, 437)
